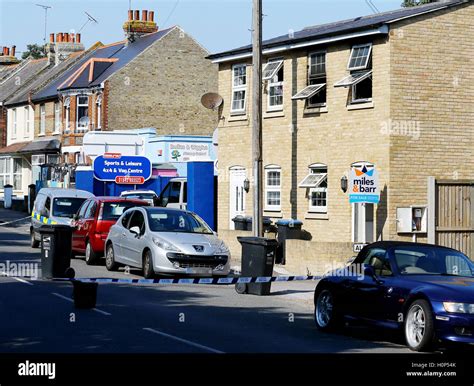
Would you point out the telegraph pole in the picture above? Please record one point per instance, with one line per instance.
(257, 118)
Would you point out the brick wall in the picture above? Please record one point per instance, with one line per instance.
(294, 140)
(162, 88)
(432, 89)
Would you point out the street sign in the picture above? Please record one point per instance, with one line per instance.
(364, 184)
(357, 247)
(122, 168)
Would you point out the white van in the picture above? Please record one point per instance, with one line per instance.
(175, 194)
(55, 206)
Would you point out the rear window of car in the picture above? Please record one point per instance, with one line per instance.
(66, 206)
(111, 211)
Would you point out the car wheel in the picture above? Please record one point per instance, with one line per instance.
(419, 326)
(110, 263)
(34, 243)
(91, 256)
(148, 271)
(325, 312)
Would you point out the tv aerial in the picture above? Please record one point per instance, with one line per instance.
(211, 100)
(90, 18)
(46, 8)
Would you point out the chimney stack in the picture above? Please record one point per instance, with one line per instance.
(135, 28)
(65, 44)
(7, 56)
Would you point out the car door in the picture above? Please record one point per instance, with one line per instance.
(370, 292)
(78, 233)
(119, 234)
(132, 244)
(88, 222)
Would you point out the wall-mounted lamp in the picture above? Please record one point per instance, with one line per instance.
(246, 185)
(344, 184)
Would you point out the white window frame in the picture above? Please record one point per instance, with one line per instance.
(271, 84)
(275, 71)
(78, 158)
(98, 103)
(57, 117)
(318, 169)
(15, 123)
(27, 118)
(81, 129)
(42, 127)
(365, 65)
(353, 92)
(67, 107)
(239, 88)
(8, 176)
(272, 188)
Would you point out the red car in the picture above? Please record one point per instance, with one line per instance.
(93, 221)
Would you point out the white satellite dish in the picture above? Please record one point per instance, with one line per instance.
(211, 100)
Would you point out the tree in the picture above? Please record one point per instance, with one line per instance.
(34, 51)
(414, 3)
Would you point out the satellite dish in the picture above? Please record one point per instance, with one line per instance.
(211, 100)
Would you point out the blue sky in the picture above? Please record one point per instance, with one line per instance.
(217, 24)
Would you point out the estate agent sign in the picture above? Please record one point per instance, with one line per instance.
(364, 184)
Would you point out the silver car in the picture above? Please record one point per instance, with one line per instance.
(166, 241)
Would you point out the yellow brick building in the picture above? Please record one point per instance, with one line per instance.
(393, 89)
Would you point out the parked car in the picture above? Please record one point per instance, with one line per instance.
(55, 206)
(174, 194)
(93, 221)
(166, 241)
(425, 290)
(148, 195)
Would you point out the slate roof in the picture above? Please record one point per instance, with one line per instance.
(346, 26)
(46, 76)
(13, 148)
(119, 55)
(43, 144)
(18, 79)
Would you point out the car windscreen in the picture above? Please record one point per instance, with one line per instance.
(161, 220)
(141, 196)
(111, 211)
(420, 260)
(66, 206)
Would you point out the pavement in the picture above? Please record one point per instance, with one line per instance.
(39, 316)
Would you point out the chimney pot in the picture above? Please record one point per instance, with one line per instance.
(72, 38)
(78, 38)
(67, 37)
(130, 14)
(13, 50)
(151, 16)
(144, 15)
(137, 15)
(8, 51)
(51, 38)
(58, 37)
(5, 51)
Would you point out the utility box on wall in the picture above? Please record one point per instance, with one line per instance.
(412, 219)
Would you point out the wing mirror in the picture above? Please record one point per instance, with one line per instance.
(135, 230)
(157, 201)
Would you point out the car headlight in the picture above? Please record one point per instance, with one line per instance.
(167, 246)
(221, 249)
(459, 308)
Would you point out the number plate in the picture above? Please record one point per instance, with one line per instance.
(199, 271)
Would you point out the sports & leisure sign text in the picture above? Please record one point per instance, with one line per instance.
(364, 184)
(122, 169)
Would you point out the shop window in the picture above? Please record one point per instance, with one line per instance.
(82, 115)
(360, 79)
(316, 183)
(273, 73)
(273, 188)
(315, 93)
(239, 88)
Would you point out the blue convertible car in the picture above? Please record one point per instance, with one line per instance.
(426, 290)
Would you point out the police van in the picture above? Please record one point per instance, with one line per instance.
(55, 206)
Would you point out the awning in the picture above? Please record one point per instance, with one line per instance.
(43, 145)
(14, 148)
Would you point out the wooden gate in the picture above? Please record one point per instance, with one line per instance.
(455, 215)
